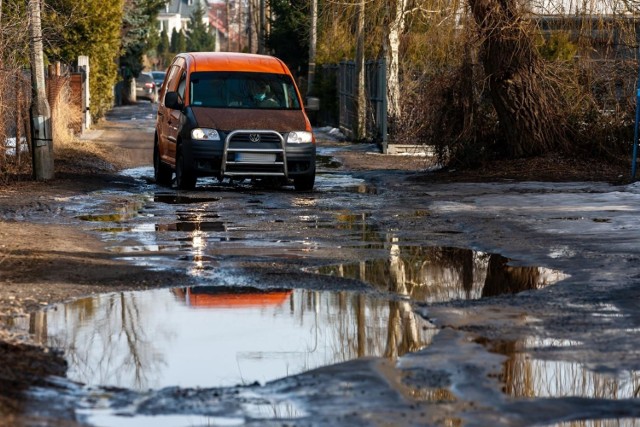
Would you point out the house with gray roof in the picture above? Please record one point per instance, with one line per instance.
(176, 14)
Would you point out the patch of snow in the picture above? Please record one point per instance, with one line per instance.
(10, 144)
(329, 132)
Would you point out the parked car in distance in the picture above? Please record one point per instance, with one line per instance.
(232, 115)
(146, 88)
(158, 78)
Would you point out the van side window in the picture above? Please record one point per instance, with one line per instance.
(182, 85)
(171, 78)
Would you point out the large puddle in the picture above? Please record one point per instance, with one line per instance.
(209, 336)
(212, 336)
(218, 336)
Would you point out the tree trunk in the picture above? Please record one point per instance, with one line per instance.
(227, 23)
(395, 11)
(262, 31)
(361, 97)
(313, 39)
(528, 115)
(240, 26)
(250, 43)
(19, 118)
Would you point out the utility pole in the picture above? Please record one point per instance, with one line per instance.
(42, 141)
(313, 38)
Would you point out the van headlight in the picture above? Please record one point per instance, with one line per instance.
(300, 137)
(205, 134)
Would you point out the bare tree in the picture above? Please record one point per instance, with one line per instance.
(395, 11)
(361, 98)
(262, 30)
(227, 23)
(313, 39)
(240, 23)
(527, 111)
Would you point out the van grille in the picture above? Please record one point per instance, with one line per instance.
(255, 153)
(255, 138)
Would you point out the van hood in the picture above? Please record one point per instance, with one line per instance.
(229, 119)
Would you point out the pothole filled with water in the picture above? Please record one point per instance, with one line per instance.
(440, 274)
(526, 375)
(211, 336)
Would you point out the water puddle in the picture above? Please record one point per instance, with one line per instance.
(608, 422)
(526, 374)
(108, 418)
(329, 162)
(211, 336)
(179, 199)
(436, 274)
(124, 210)
(363, 189)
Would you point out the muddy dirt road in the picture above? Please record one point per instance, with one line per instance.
(377, 299)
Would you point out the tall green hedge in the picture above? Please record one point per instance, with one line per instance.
(91, 28)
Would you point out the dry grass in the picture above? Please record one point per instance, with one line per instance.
(70, 154)
(65, 116)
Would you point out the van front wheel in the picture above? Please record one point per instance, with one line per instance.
(185, 179)
(305, 182)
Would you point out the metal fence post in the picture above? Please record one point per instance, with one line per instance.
(635, 137)
(634, 160)
(382, 90)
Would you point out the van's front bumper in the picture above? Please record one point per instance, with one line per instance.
(206, 157)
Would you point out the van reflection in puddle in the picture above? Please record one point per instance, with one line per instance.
(227, 297)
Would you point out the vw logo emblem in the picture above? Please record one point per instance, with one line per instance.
(254, 137)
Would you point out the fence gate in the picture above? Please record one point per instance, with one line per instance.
(376, 109)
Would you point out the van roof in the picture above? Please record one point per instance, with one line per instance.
(231, 61)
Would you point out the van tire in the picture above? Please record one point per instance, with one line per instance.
(305, 182)
(185, 179)
(161, 171)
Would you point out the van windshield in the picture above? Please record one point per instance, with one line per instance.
(243, 90)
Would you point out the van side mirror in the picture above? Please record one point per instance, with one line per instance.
(172, 100)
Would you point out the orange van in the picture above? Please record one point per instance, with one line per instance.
(232, 115)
